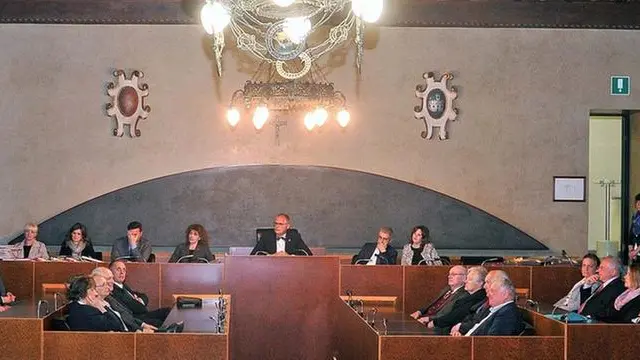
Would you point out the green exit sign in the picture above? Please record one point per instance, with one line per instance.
(620, 85)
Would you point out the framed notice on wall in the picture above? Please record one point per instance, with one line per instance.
(569, 188)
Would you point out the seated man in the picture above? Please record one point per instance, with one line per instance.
(443, 321)
(584, 288)
(598, 304)
(446, 300)
(282, 240)
(504, 317)
(87, 312)
(380, 253)
(131, 322)
(133, 247)
(135, 301)
(6, 298)
(480, 310)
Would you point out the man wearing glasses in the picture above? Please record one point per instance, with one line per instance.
(378, 253)
(282, 240)
(446, 299)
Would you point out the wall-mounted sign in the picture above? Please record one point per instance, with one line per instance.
(620, 85)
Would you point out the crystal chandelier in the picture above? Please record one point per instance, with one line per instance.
(285, 33)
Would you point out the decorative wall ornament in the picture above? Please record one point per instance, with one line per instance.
(437, 104)
(127, 102)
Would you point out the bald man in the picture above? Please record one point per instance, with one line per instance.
(504, 318)
(447, 298)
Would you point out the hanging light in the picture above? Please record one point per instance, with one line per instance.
(367, 10)
(260, 117)
(283, 3)
(309, 120)
(233, 116)
(297, 29)
(214, 17)
(343, 117)
(320, 116)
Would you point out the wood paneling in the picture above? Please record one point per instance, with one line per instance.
(18, 278)
(520, 275)
(353, 338)
(422, 284)
(20, 339)
(144, 277)
(550, 283)
(58, 272)
(281, 300)
(419, 347)
(372, 280)
(181, 346)
(74, 345)
(543, 325)
(189, 279)
(518, 347)
(607, 341)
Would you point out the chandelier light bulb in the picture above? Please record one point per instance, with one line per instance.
(343, 118)
(214, 17)
(367, 10)
(283, 3)
(260, 117)
(297, 29)
(233, 116)
(309, 120)
(320, 115)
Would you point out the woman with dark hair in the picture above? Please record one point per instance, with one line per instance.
(76, 243)
(195, 247)
(631, 249)
(87, 311)
(420, 250)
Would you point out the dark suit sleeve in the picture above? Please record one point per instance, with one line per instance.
(3, 289)
(507, 322)
(260, 246)
(459, 310)
(89, 251)
(300, 245)
(64, 249)
(390, 255)
(177, 254)
(141, 295)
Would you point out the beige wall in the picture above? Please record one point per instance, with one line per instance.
(524, 100)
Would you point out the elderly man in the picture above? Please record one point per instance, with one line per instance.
(133, 247)
(446, 300)
(282, 240)
(378, 253)
(478, 311)
(135, 301)
(611, 286)
(442, 322)
(131, 322)
(504, 317)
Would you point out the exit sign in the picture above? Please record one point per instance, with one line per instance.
(620, 85)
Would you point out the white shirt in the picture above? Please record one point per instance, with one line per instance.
(374, 258)
(492, 311)
(280, 245)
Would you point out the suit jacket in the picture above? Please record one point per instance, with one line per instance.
(38, 250)
(124, 297)
(88, 250)
(141, 253)
(599, 303)
(460, 308)
(293, 245)
(626, 313)
(448, 306)
(3, 291)
(131, 321)
(387, 258)
(87, 318)
(476, 313)
(507, 321)
(182, 250)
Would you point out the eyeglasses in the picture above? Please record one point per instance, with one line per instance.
(384, 238)
(279, 223)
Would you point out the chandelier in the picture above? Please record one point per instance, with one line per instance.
(288, 34)
(312, 96)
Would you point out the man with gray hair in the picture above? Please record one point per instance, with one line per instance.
(445, 302)
(604, 296)
(504, 317)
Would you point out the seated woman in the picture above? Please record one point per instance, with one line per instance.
(420, 250)
(195, 246)
(30, 248)
(627, 305)
(76, 244)
(583, 289)
(87, 311)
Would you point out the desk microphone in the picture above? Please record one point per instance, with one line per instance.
(565, 256)
(495, 259)
(303, 251)
(122, 258)
(361, 261)
(185, 257)
(261, 253)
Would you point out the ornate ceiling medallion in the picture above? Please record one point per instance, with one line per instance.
(127, 102)
(436, 107)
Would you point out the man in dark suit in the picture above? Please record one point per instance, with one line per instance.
(134, 246)
(5, 297)
(378, 253)
(460, 307)
(281, 240)
(446, 300)
(137, 302)
(504, 317)
(598, 304)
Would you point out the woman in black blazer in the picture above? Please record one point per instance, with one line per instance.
(627, 305)
(77, 243)
(195, 246)
(87, 311)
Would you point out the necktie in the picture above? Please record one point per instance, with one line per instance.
(439, 304)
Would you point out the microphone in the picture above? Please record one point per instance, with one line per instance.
(533, 303)
(361, 261)
(495, 259)
(40, 303)
(565, 256)
(185, 257)
(303, 251)
(122, 258)
(261, 253)
(349, 297)
(425, 262)
(56, 295)
(386, 262)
